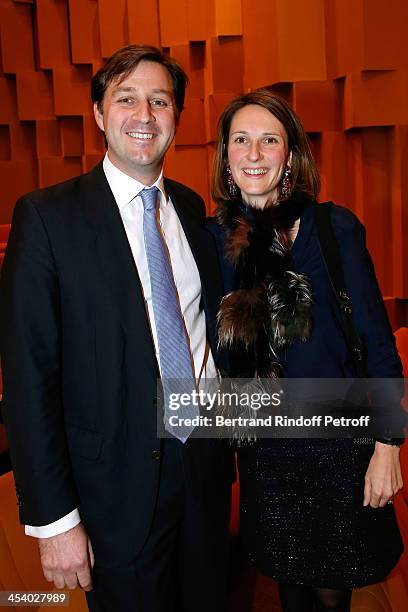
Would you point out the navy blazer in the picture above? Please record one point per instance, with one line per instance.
(326, 353)
(79, 366)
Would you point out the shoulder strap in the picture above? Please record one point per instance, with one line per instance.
(331, 255)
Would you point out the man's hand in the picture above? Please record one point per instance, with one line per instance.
(67, 559)
(383, 478)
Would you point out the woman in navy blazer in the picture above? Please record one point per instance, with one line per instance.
(316, 514)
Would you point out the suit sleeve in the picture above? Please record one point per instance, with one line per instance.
(369, 314)
(371, 321)
(30, 344)
(65, 523)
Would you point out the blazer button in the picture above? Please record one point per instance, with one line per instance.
(156, 454)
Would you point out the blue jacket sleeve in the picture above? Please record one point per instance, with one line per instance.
(369, 314)
(371, 321)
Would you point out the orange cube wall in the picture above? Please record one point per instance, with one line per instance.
(342, 64)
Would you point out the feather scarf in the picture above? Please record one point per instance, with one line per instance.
(271, 306)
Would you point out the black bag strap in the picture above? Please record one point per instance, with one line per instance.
(331, 254)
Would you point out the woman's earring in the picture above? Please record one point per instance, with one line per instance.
(286, 183)
(232, 186)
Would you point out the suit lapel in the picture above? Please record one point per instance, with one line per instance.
(115, 258)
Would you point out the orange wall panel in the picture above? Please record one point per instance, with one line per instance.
(16, 37)
(344, 36)
(342, 64)
(8, 97)
(228, 18)
(301, 41)
(5, 143)
(84, 31)
(93, 137)
(377, 218)
(376, 98)
(333, 168)
(35, 99)
(214, 105)
(24, 177)
(211, 207)
(318, 104)
(191, 130)
(72, 136)
(143, 22)
(355, 184)
(192, 58)
(260, 43)
(188, 164)
(71, 90)
(224, 64)
(22, 140)
(200, 20)
(399, 208)
(48, 138)
(52, 33)
(284, 41)
(57, 169)
(173, 19)
(385, 21)
(365, 35)
(112, 25)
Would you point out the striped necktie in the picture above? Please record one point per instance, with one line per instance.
(174, 353)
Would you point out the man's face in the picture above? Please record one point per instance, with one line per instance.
(139, 121)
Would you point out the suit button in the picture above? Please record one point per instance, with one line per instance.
(156, 454)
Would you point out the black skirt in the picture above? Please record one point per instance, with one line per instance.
(302, 514)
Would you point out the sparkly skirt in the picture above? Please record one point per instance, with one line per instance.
(302, 514)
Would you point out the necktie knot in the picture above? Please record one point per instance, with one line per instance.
(149, 198)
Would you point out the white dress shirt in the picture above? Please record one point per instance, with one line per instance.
(126, 192)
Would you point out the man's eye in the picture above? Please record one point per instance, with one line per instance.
(158, 102)
(125, 100)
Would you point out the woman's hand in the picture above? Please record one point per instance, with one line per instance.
(383, 478)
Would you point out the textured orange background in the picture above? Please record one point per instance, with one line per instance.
(343, 65)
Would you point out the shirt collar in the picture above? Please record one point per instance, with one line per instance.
(125, 188)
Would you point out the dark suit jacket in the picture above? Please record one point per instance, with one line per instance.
(79, 366)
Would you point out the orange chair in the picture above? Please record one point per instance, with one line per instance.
(20, 567)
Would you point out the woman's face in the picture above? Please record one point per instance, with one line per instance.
(257, 154)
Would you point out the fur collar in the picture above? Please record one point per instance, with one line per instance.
(271, 305)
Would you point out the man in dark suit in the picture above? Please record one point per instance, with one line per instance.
(83, 345)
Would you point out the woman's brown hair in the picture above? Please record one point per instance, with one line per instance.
(305, 177)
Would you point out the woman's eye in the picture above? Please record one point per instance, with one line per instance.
(271, 140)
(240, 139)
